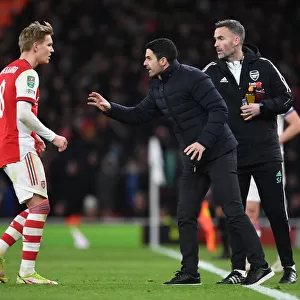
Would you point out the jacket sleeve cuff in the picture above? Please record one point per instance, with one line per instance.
(262, 107)
(203, 143)
(109, 112)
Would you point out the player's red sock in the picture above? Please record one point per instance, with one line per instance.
(32, 234)
(13, 232)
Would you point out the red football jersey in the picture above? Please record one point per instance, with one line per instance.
(18, 82)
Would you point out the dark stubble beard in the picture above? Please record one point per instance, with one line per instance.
(227, 57)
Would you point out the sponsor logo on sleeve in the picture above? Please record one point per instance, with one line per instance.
(29, 92)
(30, 81)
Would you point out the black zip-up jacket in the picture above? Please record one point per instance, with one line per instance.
(188, 97)
(257, 138)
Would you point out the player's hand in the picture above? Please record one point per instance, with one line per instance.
(250, 111)
(194, 148)
(95, 99)
(60, 142)
(40, 143)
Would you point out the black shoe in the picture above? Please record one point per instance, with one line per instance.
(258, 276)
(289, 275)
(234, 277)
(182, 278)
(222, 256)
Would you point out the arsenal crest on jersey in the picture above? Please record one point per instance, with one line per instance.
(43, 184)
(254, 74)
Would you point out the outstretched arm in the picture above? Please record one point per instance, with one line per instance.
(144, 112)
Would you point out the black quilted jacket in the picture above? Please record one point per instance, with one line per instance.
(188, 97)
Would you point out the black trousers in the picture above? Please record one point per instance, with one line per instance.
(268, 178)
(194, 184)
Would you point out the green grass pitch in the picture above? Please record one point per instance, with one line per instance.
(118, 266)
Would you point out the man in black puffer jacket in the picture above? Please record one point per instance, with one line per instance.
(240, 68)
(188, 97)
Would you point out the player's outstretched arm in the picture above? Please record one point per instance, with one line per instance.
(29, 119)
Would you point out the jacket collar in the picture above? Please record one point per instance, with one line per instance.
(169, 70)
(251, 53)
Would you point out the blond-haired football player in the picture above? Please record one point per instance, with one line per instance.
(20, 144)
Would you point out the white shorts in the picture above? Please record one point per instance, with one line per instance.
(28, 177)
(253, 192)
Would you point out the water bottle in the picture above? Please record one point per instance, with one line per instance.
(250, 95)
(244, 102)
(259, 92)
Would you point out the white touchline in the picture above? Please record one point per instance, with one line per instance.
(223, 273)
(79, 239)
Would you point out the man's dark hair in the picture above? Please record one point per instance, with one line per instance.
(163, 47)
(234, 26)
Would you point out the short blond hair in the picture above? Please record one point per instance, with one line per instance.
(35, 32)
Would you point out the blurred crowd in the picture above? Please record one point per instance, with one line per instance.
(99, 46)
